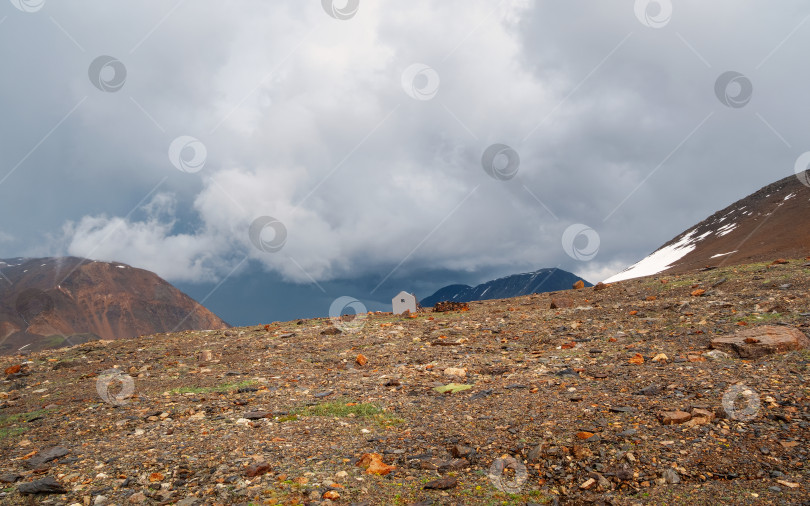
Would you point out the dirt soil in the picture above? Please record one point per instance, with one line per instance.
(578, 397)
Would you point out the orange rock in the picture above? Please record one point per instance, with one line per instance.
(612, 340)
(702, 414)
(779, 261)
(257, 469)
(588, 484)
(561, 302)
(155, 477)
(698, 292)
(633, 312)
(599, 286)
(331, 494)
(579, 285)
(584, 434)
(636, 359)
(374, 464)
(14, 369)
(568, 346)
(361, 360)
(651, 297)
(673, 417)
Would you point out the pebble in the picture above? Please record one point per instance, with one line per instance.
(445, 483)
(673, 417)
(671, 476)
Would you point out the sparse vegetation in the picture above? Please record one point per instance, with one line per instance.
(348, 409)
(225, 387)
(10, 425)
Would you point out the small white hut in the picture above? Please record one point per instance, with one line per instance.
(404, 301)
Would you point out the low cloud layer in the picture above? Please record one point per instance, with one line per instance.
(364, 137)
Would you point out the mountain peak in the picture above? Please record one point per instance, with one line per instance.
(515, 285)
(771, 222)
(57, 301)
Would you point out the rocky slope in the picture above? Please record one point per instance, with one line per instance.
(773, 221)
(542, 280)
(49, 302)
(615, 399)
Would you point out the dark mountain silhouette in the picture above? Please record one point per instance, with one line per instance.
(543, 280)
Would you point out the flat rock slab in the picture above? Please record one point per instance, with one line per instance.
(762, 340)
(46, 456)
(673, 417)
(47, 485)
(257, 415)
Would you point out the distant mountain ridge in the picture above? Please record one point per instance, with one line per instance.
(772, 222)
(61, 301)
(542, 280)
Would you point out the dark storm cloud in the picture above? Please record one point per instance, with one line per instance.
(364, 136)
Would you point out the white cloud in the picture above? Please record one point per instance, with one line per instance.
(304, 119)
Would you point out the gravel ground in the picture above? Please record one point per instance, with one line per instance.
(542, 406)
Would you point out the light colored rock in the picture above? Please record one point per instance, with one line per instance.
(762, 340)
(588, 484)
(671, 476)
(137, 498)
(455, 371)
(717, 355)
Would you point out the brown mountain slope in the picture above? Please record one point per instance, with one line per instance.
(770, 223)
(48, 302)
(580, 397)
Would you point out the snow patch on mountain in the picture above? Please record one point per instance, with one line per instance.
(661, 259)
(725, 229)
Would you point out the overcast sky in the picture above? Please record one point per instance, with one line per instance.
(354, 136)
